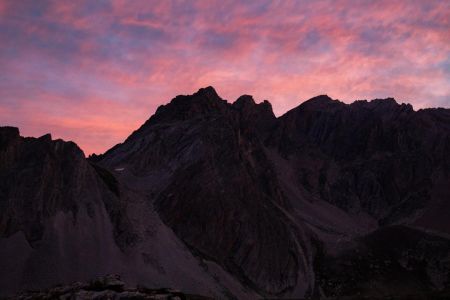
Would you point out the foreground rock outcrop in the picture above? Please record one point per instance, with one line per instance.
(107, 287)
(229, 201)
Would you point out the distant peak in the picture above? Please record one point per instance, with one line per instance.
(208, 88)
(383, 104)
(46, 137)
(321, 99)
(9, 130)
(319, 102)
(208, 91)
(203, 102)
(267, 105)
(385, 101)
(244, 101)
(247, 103)
(7, 135)
(10, 135)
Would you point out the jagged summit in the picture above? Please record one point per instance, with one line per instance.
(206, 101)
(244, 101)
(46, 137)
(386, 104)
(8, 134)
(319, 102)
(321, 99)
(9, 129)
(208, 92)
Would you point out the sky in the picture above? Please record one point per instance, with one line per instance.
(94, 71)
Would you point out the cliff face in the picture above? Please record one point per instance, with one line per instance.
(54, 225)
(64, 219)
(227, 200)
(257, 194)
(378, 157)
(213, 184)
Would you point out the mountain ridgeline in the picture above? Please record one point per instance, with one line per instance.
(228, 201)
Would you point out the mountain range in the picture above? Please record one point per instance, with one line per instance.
(229, 201)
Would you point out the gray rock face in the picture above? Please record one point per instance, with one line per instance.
(54, 225)
(220, 186)
(256, 194)
(380, 157)
(63, 219)
(229, 201)
(40, 177)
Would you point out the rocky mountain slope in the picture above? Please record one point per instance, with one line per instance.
(229, 201)
(65, 220)
(50, 198)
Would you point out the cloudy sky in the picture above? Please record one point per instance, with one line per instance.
(94, 71)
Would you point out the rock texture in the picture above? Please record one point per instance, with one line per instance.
(41, 177)
(392, 261)
(217, 188)
(53, 213)
(63, 219)
(229, 201)
(381, 157)
(107, 287)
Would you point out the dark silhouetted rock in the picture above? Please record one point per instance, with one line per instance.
(252, 192)
(227, 200)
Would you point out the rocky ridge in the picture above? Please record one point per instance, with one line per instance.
(252, 205)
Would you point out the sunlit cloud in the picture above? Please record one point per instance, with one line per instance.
(93, 71)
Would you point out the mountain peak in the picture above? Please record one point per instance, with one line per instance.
(266, 106)
(8, 134)
(247, 104)
(9, 130)
(384, 104)
(320, 101)
(207, 89)
(208, 92)
(244, 101)
(184, 107)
